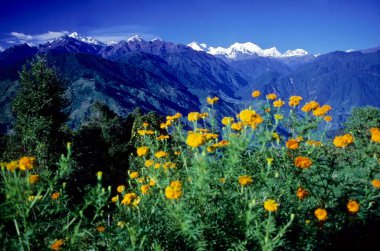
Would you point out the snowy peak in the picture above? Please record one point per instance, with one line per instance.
(295, 53)
(2, 48)
(239, 51)
(135, 38)
(87, 40)
(198, 47)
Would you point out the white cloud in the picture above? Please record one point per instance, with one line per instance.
(1, 48)
(35, 39)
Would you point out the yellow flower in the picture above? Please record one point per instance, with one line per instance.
(141, 180)
(120, 188)
(148, 163)
(271, 96)
(177, 153)
(34, 178)
(321, 111)
(166, 124)
(302, 193)
(144, 189)
(344, 140)
(57, 245)
(270, 161)
(327, 118)
(121, 224)
(161, 154)
(227, 121)
(99, 175)
(55, 196)
(136, 201)
(353, 206)
(375, 134)
(174, 117)
(275, 136)
(203, 115)
(294, 101)
(278, 116)
(152, 182)
(312, 105)
(142, 151)
(27, 163)
(128, 198)
(213, 100)
(292, 144)
(302, 162)
(195, 139)
(320, 214)
(12, 166)
(134, 175)
(247, 115)
(267, 110)
(145, 124)
(278, 103)
(32, 197)
(245, 180)
(193, 116)
(100, 229)
(256, 94)
(376, 183)
(157, 165)
(270, 205)
(162, 137)
(115, 199)
(236, 126)
(222, 180)
(145, 132)
(313, 143)
(174, 190)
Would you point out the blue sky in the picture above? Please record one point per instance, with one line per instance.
(318, 26)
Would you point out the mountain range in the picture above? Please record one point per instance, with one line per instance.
(166, 77)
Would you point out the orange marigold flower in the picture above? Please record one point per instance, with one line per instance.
(302, 193)
(174, 190)
(120, 188)
(128, 198)
(256, 94)
(278, 103)
(144, 189)
(302, 162)
(193, 116)
(55, 196)
(161, 154)
(270, 205)
(34, 178)
(344, 140)
(195, 139)
(247, 115)
(115, 199)
(26, 163)
(271, 96)
(213, 100)
(292, 144)
(321, 111)
(312, 105)
(12, 166)
(57, 245)
(375, 134)
(237, 126)
(313, 143)
(353, 206)
(163, 137)
(166, 124)
(327, 118)
(145, 124)
(320, 214)
(142, 151)
(376, 183)
(152, 182)
(148, 163)
(245, 180)
(134, 175)
(227, 121)
(145, 132)
(294, 101)
(100, 229)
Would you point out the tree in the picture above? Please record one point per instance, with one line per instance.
(38, 108)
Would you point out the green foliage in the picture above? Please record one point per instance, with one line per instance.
(40, 121)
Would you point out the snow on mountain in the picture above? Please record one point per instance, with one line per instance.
(295, 53)
(1, 48)
(156, 39)
(198, 47)
(88, 40)
(110, 43)
(245, 50)
(135, 38)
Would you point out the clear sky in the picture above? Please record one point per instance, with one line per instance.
(318, 26)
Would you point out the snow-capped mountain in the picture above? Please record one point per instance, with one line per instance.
(239, 51)
(135, 38)
(88, 40)
(1, 48)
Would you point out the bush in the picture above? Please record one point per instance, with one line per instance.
(246, 187)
